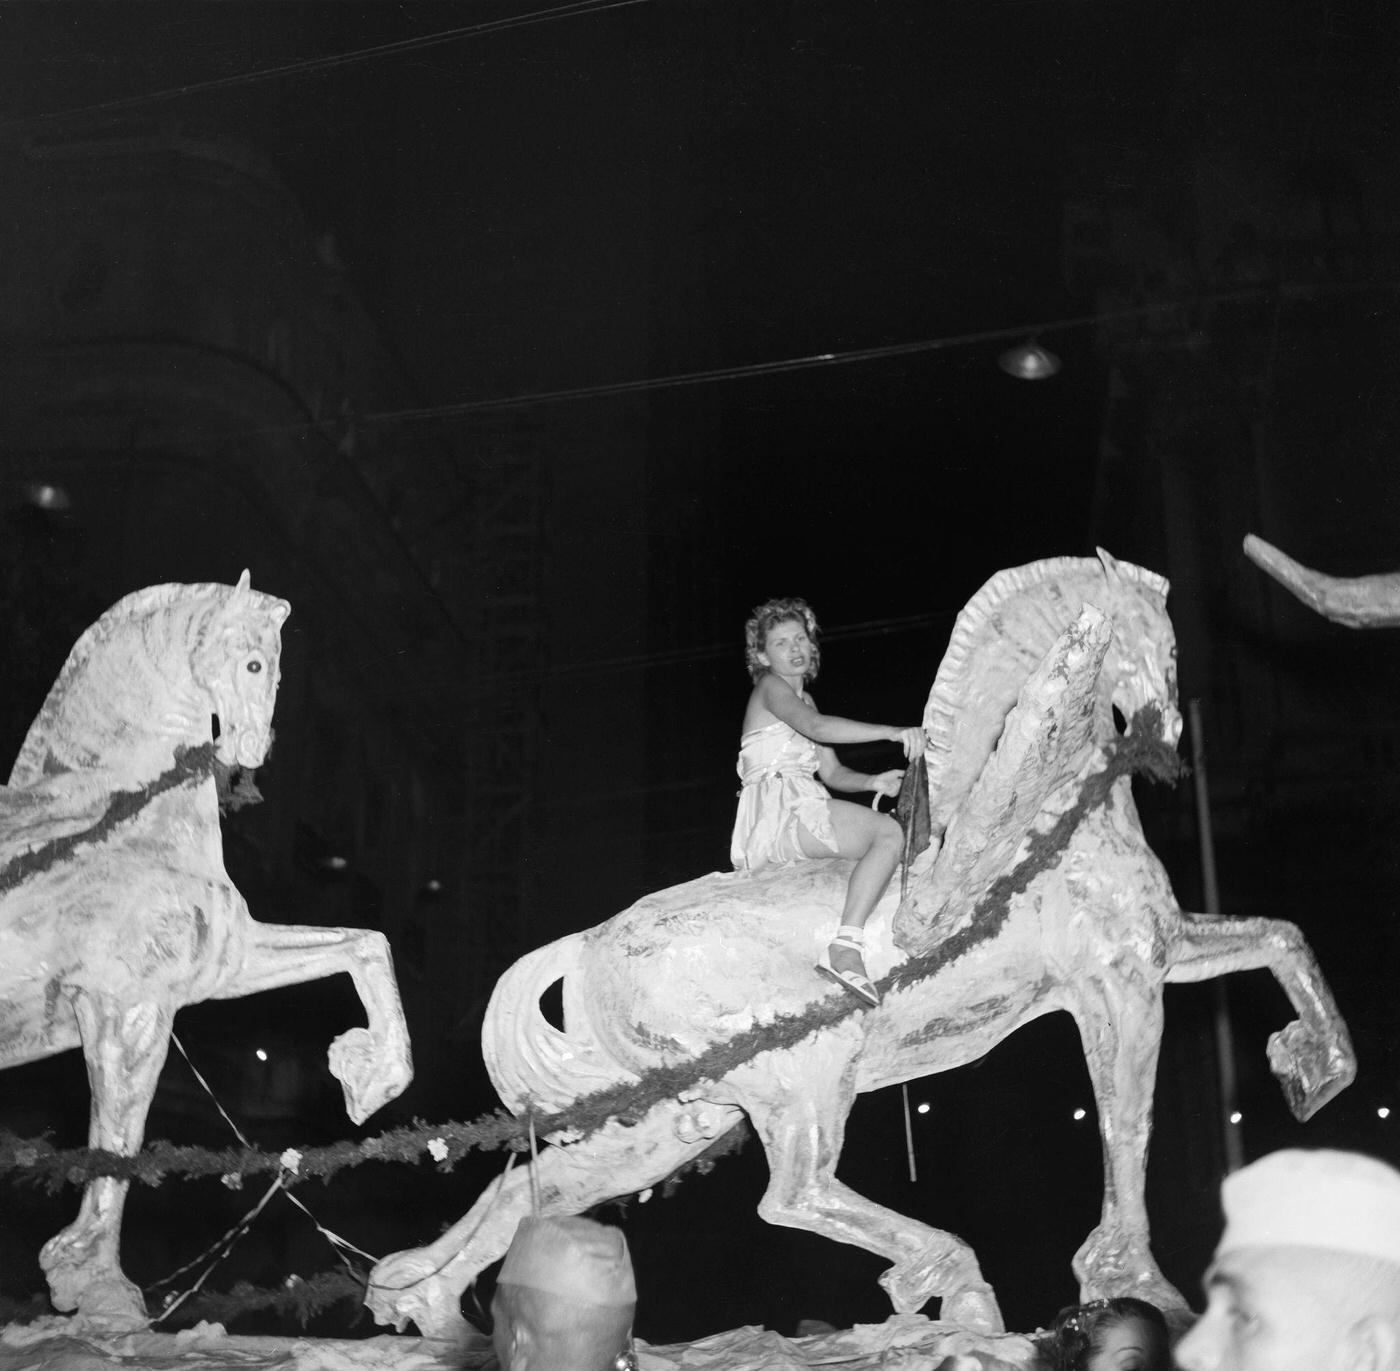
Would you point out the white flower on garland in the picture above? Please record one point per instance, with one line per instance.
(290, 1160)
(437, 1149)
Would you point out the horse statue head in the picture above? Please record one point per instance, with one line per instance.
(1005, 631)
(1046, 666)
(152, 674)
(237, 664)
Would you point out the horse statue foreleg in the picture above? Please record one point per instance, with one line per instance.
(374, 1065)
(424, 1285)
(1312, 1057)
(1120, 1025)
(798, 1100)
(125, 1047)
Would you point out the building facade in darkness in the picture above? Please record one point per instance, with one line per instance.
(186, 368)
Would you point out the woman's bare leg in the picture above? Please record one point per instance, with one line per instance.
(875, 841)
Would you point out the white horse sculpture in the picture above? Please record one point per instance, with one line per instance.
(1041, 895)
(115, 908)
(1355, 601)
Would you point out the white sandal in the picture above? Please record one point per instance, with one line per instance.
(857, 982)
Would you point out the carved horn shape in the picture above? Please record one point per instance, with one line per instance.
(1357, 601)
(1110, 565)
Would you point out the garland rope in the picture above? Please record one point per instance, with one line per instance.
(37, 1162)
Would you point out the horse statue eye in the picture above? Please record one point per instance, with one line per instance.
(255, 666)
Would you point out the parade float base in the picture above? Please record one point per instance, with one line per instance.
(908, 1342)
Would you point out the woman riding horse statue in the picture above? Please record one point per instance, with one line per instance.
(115, 908)
(698, 1006)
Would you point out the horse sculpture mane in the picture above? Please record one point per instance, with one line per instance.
(999, 637)
(701, 1000)
(127, 658)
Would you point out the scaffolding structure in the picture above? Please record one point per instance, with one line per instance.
(498, 593)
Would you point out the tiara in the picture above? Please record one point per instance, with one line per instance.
(1074, 1324)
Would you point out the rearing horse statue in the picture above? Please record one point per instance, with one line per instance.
(115, 908)
(1039, 894)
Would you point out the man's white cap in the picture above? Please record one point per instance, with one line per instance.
(574, 1257)
(1342, 1201)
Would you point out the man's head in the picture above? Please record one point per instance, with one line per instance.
(1307, 1273)
(565, 1298)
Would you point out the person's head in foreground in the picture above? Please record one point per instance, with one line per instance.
(1307, 1272)
(1122, 1334)
(565, 1298)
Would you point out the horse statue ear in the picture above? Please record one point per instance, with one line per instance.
(1110, 565)
(245, 582)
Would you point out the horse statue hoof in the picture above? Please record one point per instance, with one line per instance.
(1310, 1071)
(700, 1119)
(407, 1288)
(970, 1305)
(109, 1305)
(357, 1060)
(974, 1309)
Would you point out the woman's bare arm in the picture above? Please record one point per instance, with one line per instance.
(784, 703)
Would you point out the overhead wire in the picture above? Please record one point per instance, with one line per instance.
(743, 371)
(645, 661)
(328, 62)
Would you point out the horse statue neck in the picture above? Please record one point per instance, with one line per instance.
(127, 698)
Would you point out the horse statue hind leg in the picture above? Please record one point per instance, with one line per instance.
(125, 1046)
(541, 1070)
(116, 955)
(424, 1285)
(803, 1133)
(802, 1138)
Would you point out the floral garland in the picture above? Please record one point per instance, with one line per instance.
(38, 1162)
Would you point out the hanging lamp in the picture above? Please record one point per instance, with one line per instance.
(1029, 362)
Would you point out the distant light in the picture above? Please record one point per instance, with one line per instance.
(923, 1108)
(1236, 1117)
(432, 885)
(1029, 362)
(1079, 1114)
(335, 862)
(45, 496)
(260, 1055)
(1383, 1112)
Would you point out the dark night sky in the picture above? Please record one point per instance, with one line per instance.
(684, 185)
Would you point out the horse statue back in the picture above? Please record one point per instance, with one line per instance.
(115, 906)
(698, 1006)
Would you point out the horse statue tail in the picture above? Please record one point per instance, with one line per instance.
(534, 1065)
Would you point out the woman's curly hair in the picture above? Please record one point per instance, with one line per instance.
(1079, 1330)
(765, 616)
